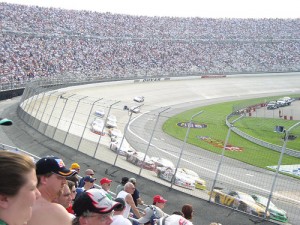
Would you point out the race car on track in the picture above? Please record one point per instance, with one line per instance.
(135, 109)
(97, 126)
(167, 173)
(100, 113)
(139, 99)
(111, 121)
(137, 158)
(114, 134)
(162, 162)
(184, 177)
(121, 150)
(240, 201)
(275, 212)
(199, 183)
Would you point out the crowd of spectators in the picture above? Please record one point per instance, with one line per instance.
(49, 42)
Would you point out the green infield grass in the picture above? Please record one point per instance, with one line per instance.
(213, 136)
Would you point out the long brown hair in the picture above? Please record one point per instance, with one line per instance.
(13, 168)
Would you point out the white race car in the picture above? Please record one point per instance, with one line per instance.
(122, 150)
(111, 121)
(114, 134)
(182, 180)
(135, 109)
(100, 113)
(139, 99)
(97, 126)
(162, 162)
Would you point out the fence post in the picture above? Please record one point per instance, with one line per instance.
(183, 146)
(73, 118)
(41, 120)
(104, 127)
(125, 130)
(61, 115)
(286, 137)
(149, 142)
(222, 156)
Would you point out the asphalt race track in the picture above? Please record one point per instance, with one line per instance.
(185, 94)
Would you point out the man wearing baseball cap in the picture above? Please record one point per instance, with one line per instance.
(51, 173)
(75, 166)
(159, 201)
(105, 184)
(88, 184)
(94, 208)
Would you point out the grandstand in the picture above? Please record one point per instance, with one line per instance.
(49, 42)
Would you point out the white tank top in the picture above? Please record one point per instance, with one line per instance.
(123, 194)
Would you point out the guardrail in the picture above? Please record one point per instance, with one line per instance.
(260, 142)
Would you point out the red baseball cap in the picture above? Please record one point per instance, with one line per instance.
(159, 199)
(105, 180)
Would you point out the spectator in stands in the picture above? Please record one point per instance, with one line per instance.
(88, 184)
(94, 208)
(151, 214)
(188, 212)
(159, 201)
(75, 166)
(18, 191)
(51, 173)
(173, 220)
(88, 172)
(118, 218)
(105, 184)
(72, 188)
(136, 194)
(64, 198)
(126, 194)
(120, 187)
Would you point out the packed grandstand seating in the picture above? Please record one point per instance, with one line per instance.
(49, 42)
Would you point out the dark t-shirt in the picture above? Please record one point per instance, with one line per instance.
(136, 196)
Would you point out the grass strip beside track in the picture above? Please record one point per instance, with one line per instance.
(214, 117)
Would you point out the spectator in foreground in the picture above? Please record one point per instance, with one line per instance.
(120, 187)
(173, 220)
(94, 208)
(72, 188)
(187, 211)
(51, 173)
(118, 218)
(65, 198)
(18, 191)
(126, 194)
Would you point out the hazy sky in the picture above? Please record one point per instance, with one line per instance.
(181, 8)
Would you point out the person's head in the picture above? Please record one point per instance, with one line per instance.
(75, 166)
(89, 172)
(105, 183)
(129, 187)
(88, 182)
(51, 173)
(119, 210)
(65, 197)
(159, 201)
(124, 180)
(72, 188)
(18, 191)
(187, 211)
(132, 180)
(94, 208)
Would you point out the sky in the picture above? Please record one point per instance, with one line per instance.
(181, 8)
